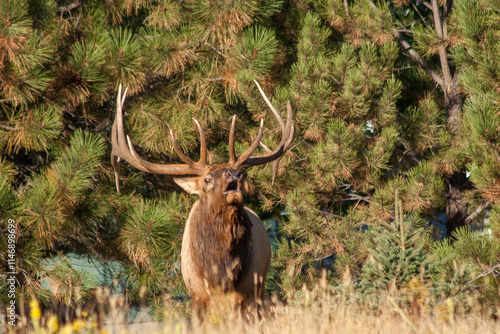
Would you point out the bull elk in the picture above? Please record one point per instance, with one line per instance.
(225, 247)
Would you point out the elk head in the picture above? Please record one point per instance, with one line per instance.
(224, 243)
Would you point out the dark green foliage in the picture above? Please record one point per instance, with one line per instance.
(471, 269)
(396, 256)
(372, 87)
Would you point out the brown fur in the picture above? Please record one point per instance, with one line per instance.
(220, 243)
(225, 247)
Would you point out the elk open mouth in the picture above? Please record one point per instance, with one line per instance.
(233, 186)
(233, 193)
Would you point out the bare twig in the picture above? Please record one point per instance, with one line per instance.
(359, 198)
(346, 6)
(305, 142)
(406, 31)
(443, 57)
(217, 79)
(302, 159)
(80, 15)
(421, 16)
(322, 257)
(9, 128)
(329, 214)
(417, 58)
(493, 270)
(405, 68)
(426, 4)
(215, 49)
(477, 212)
(70, 7)
(409, 151)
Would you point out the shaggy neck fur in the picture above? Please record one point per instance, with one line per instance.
(221, 243)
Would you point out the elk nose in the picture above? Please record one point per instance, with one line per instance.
(233, 175)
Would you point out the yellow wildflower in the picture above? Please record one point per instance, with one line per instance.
(67, 329)
(78, 325)
(53, 324)
(213, 318)
(35, 311)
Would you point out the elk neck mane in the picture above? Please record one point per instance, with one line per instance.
(216, 232)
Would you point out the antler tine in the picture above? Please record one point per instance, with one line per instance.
(285, 129)
(203, 149)
(286, 139)
(232, 155)
(115, 162)
(269, 104)
(122, 148)
(117, 138)
(203, 144)
(289, 122)
(252, 147)
(179, 152)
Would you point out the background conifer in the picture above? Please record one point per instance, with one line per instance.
(388, 96)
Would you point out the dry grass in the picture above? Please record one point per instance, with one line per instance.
(313, 311)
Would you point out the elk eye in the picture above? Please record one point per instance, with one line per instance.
(207, 180)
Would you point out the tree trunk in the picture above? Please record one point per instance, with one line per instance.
(453, 103)
(456, 210)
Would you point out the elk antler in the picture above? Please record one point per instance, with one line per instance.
(286, 140)
(122, 148)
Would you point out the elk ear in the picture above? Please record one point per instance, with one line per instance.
(189, 184)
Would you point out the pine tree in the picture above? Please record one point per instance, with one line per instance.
(397, 256)
(479, 64)
(391, 128)
(386, 98)
(60, 66)
(431, 34)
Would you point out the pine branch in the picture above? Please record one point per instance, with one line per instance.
(442, 49)
(421, 16)
(417, 58)
(70, 7)
(346, 6)
(359, 198)
(409, 150)
(477, 212)
(426, 4)
(493, 270)
(437, 19)
(215, 49)
(9, 128)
